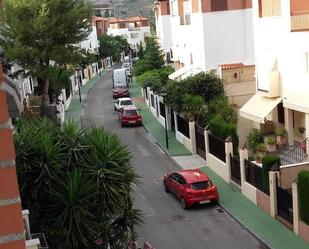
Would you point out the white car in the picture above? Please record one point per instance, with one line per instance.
(121, 102)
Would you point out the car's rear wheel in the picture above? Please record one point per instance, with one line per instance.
(166, 188)
(183, 204)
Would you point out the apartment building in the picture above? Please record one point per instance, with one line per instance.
(212, 36)
(281, 36)
(135, 29)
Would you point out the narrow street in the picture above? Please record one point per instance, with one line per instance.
(166, 226)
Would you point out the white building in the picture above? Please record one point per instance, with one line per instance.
(281, 32)
(91, 44)
(135, 29)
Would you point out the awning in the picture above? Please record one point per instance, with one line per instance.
(13, 96)
(258, 107)
(184, 72)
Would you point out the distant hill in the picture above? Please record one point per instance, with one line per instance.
(125, 8)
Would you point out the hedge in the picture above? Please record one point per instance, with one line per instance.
(303, 194)
(267, 162)
(223, 130)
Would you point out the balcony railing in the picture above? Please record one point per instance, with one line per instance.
(299, 21)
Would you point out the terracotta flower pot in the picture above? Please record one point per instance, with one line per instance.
(271, 147)
(282, 140)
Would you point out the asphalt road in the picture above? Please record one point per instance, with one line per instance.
(166, 226)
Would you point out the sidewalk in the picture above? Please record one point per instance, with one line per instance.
(153, 126)
(274, 234)
(75, 107)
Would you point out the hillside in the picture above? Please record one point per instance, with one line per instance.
(125, 8)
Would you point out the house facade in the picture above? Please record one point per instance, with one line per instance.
(281, 35)
(210, 36)
(135, 29)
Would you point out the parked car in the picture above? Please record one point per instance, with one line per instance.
(120, 77)
(120, 91)
(121, 102)
(129, 115)
(191, 186)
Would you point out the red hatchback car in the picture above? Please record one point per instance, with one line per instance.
(191, 186)
(120, 91)
(129, 115)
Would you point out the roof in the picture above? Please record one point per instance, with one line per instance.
(193, 175)
(125, 99)
(99, 18)
(137, 18)
(234, 65)
(101, 6)
(129, 107)
(115, 20)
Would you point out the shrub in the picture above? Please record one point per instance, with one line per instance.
(281, 132)
(267, 162)
(260, 147)
(270, 140)
(303, 193)
(254, 138)
(223, 130)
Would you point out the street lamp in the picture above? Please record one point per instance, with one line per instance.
(163, 94)
(79, 83)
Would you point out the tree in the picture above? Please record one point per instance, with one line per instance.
(35, 33)
(81, 182)
(194, 107)
(220, 107)
(140, 52)
(112, 46)
(153, 58)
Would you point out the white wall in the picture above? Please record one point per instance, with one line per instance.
(164, 32)
(91, 43)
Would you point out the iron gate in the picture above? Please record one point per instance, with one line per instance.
(200, 141)
(285, 203)
(235, 169)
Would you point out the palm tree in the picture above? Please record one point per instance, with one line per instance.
(194, 107)
(77, 180)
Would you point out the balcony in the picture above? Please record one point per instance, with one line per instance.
(299, 21)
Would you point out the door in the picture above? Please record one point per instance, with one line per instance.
(200, 141)
(172, 120)
(180, 187)
(280, 110)
(172, 182)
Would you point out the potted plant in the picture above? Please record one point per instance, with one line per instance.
(302, 130)
(271, 145)
(281, 136)
(260, 152)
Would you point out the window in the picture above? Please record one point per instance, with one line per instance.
(131, 113)
(181, 180)
(185, 19)
(174, 8)
(269, 8)
(200, 185)
(218, 5)
(126, 102)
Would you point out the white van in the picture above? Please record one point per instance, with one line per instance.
(120, 77)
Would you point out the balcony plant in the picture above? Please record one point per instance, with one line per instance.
(302, 131)
(271, 145)
(281, 136)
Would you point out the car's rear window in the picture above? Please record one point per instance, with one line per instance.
(121, 88)
(200, 185)
(126, 102)
(130, 113)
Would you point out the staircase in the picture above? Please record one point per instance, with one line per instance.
(293, 154)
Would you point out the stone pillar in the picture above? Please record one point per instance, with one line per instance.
(192, 136)
(11, 221)
(243, 154)
(307, 131)
(228, 152)
(288, 119)
(273, 193)
(295, 209)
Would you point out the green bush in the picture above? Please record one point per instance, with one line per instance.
(281, 132)
(253, 139)
(267, 162)
(303, 193)
(223, 130)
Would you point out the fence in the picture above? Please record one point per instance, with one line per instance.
(254, 176)
(217, 147)
(235, 169)
(183, 126)
(285, 203)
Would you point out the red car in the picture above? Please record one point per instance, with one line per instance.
(129, 115)
(120, 91)
(191, 186)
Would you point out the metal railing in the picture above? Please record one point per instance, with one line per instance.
(296, 155)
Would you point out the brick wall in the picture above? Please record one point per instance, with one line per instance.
(11, 222)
